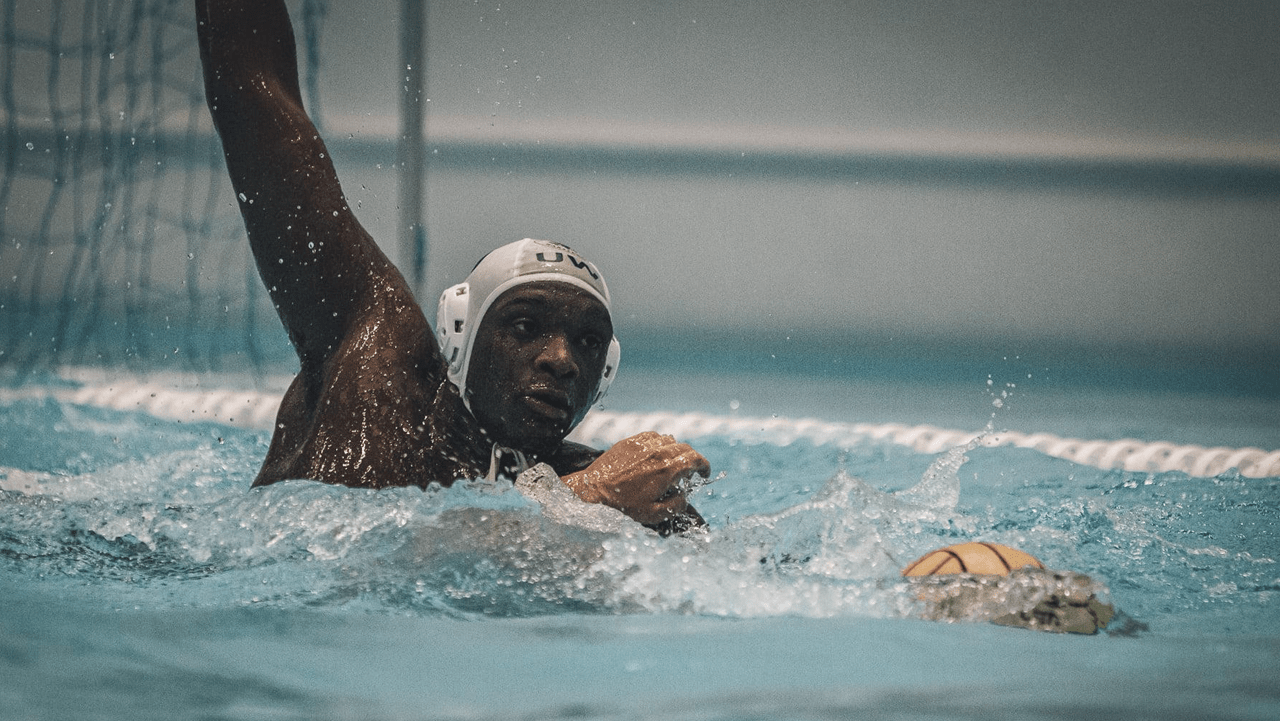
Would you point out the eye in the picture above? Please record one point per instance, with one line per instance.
(524, 326)
(592, 341)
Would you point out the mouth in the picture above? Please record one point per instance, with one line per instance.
(549, 404)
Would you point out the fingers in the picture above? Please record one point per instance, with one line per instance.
(679, 462)
(696, 462)
(664, 509)
(648, 476)
(649, 440)
(672, 452)
(673, 501)
(674, 506)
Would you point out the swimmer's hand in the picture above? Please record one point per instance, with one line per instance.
(645, 476)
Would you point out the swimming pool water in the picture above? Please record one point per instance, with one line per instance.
(141, 579)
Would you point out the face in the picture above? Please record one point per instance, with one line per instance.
(538, 356)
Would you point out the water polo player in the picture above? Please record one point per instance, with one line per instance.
(523, 347)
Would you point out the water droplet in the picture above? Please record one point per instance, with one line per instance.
(31, 146)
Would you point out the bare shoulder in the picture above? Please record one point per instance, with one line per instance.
(385, 366)
(378, 410)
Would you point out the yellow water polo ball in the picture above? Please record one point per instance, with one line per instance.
(983, 558)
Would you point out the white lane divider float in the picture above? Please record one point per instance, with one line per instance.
(252, 409)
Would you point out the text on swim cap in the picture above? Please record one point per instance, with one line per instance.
(580, 264)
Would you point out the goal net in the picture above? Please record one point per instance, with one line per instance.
(120, 243)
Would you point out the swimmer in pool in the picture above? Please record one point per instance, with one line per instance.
(523, 348)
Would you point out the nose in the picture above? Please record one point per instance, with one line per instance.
(556, 357)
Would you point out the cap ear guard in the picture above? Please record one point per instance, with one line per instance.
(611, 358)
(451, 326)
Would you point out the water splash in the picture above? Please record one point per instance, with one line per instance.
(128, 511)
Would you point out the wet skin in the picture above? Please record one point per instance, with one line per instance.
(538, 356)
(371, 405)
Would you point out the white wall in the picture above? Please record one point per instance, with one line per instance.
(1169, 82)
(1002, 169)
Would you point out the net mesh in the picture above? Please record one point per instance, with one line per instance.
(120, 244)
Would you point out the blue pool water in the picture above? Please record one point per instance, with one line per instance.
(141, 579)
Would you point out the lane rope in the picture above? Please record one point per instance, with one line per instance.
(256, 410)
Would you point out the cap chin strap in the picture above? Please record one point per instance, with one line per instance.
(495, 461)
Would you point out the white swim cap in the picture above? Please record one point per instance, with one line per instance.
(463, 306)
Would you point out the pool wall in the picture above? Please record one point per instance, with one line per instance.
(907, 178)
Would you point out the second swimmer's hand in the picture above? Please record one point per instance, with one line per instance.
(643, 476)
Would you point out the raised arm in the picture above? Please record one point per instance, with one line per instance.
(320, 266)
